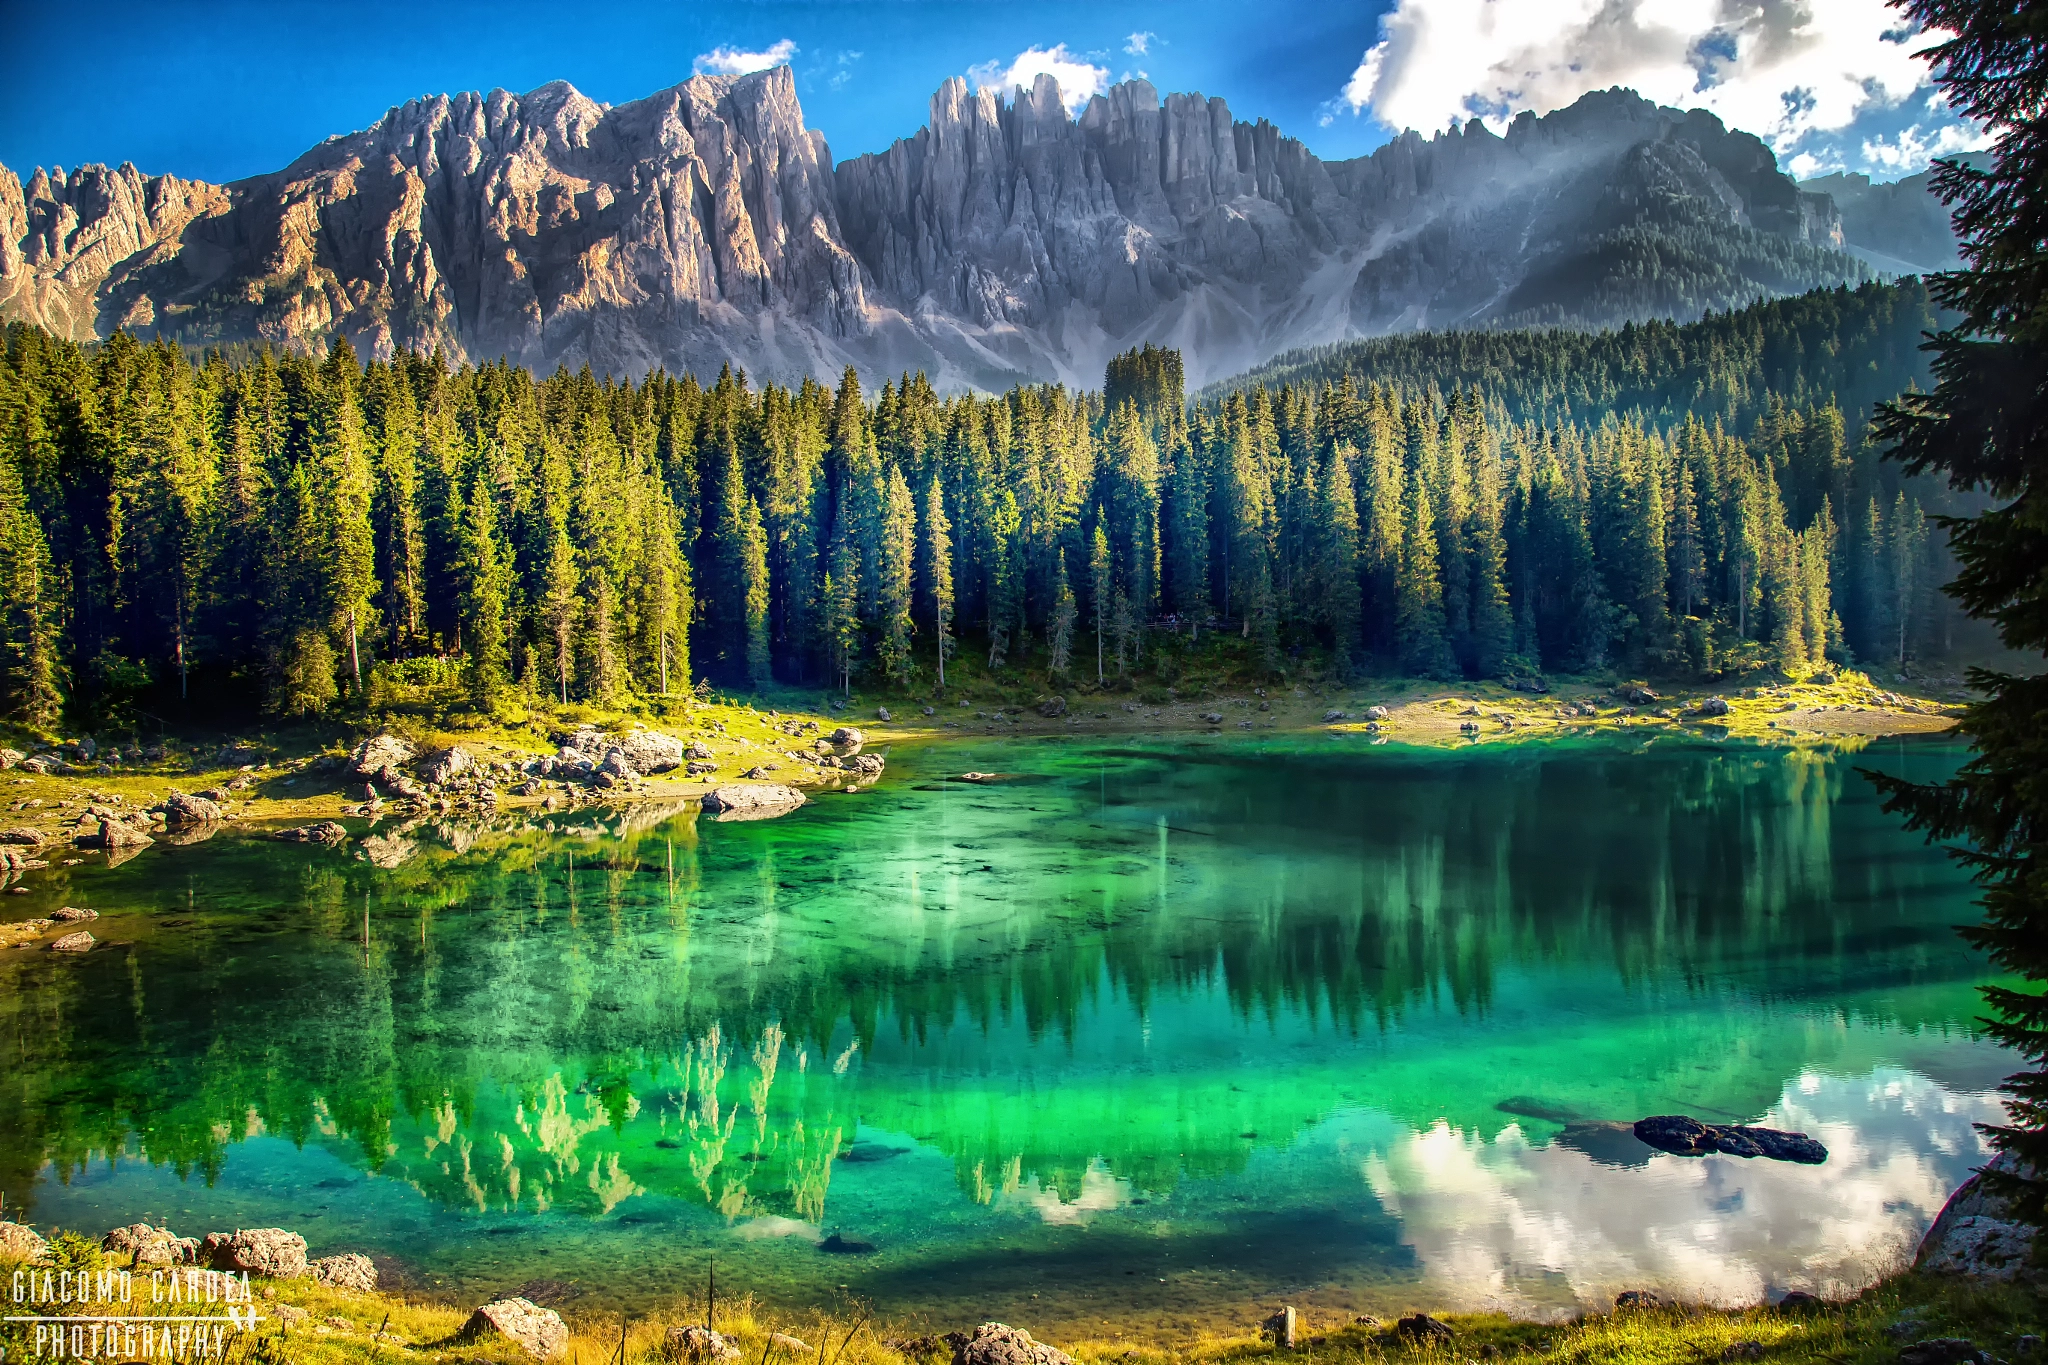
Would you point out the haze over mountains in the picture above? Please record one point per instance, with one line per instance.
(1005, 241)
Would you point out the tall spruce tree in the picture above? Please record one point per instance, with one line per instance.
(1059, 629)
(895, 580)
(1425, 650)
(1985, 427)
(485, 585)
(561, 607)
(1337, 561)
(753, 586)
(938, 559)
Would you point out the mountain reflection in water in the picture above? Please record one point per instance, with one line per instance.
(1152, 1034)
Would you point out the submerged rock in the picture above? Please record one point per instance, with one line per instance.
(1683, 1136)
(540, 1332)
(995, 1343)
(1978, 1234)
(836, 1245)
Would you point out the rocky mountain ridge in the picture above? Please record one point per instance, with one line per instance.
(1004, 241)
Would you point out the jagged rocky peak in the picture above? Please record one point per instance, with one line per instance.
(1005, 240)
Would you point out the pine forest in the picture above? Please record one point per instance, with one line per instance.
(208, 533)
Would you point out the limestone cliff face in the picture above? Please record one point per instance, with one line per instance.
(706, 224)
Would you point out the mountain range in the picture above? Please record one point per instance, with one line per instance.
(1005, 241)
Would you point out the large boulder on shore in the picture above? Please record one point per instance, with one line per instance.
(349, 1270)
(540, 1332)
(377, 753)
(1683, 1136)
(181, 808)
(1978, 1233)
(696, 1345)
(320, 832)
(116, 834)
(151, 1245)
(273, 1252)
(752, 800)
(445, 765)
(22, 1243)
(846, 740)
(650, 751)
(995, 1343)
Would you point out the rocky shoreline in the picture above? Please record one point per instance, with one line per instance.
(1957, 1306)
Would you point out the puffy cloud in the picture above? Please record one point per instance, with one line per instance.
(731, 61)
(1500, 1224)
(1079, 79)
(1789, 71)
(1910, 150)
(1138, 44)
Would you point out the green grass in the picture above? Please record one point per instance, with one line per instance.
(345, 1328)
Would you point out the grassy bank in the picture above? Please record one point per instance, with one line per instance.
(292, 773)
(310, 1324)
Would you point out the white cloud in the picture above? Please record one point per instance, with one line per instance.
(1785, 70)
(1079, 79)
(839, 78)
(1910, 150)
(731, 61)
(1138, 44)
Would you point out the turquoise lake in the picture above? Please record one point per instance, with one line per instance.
(1143, 1036)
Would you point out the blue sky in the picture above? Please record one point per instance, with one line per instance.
(224, 90)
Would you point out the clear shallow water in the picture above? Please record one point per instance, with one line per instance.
(1145, 1037)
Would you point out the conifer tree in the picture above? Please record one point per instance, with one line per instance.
(485, 585)
(600, 640)
(938, 558)
(28, 664)
(1419, 622)
(1337, 569)
(1188, 508)
(1985, 428)
(1059, 633)
(754, 591)
(1099, 581)
(1493, 622)
(562, 607)
(894, 580)
(842, 610)
(350, 547)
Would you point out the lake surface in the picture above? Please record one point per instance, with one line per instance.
(1146, 1036)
